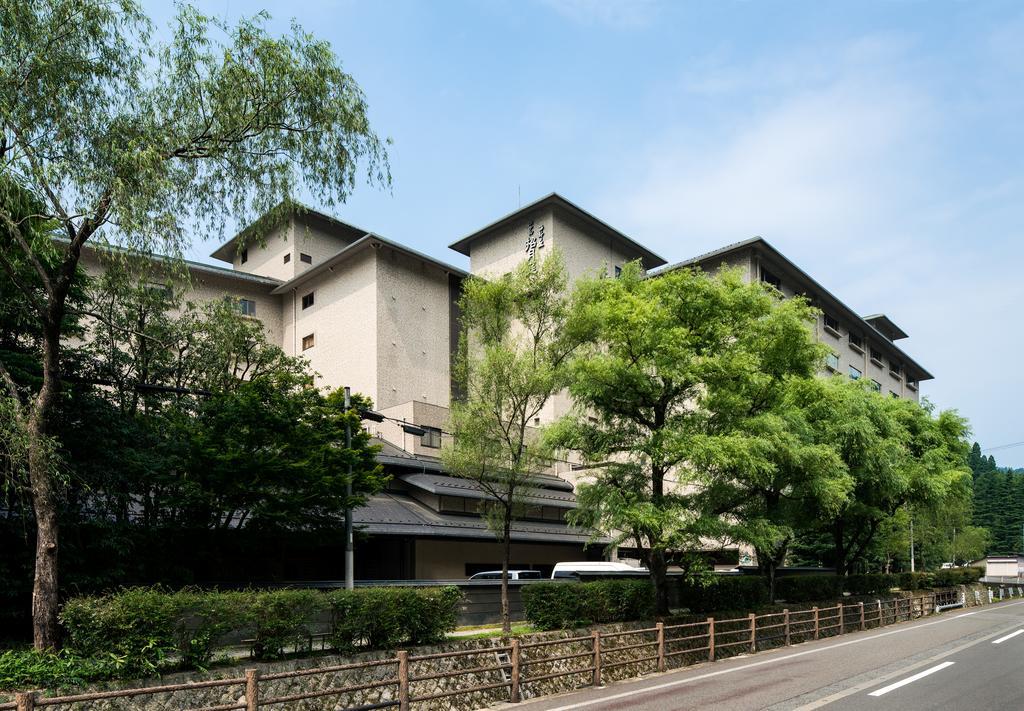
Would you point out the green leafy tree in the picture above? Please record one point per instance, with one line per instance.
(900, 455)
(127, 140)
(675, 369)
(514, 347)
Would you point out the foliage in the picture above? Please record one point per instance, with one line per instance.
(382, 618)
(137, 625)
(725, 592)
(664, 392)
(512, 355)
(998, 503)
(949, 577)
(914, 581)
(808, 588)
(129, 141)
(20, 669)
(280, 618)
(901, 455)
(551, 606)
(872, 583)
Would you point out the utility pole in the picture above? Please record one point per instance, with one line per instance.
(349, 547)
(912, 544)
(954, 547)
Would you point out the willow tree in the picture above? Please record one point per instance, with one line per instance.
(131, 141)
(675, 366)
(513, 350)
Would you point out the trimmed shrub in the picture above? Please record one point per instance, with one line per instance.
(206, 618)
(551, 606)
(279, 618)
(380, 618)
(871, 583)
(956, 576)
(725, 592)
(20, 669)
(136, 625)
(808, 588)
(914, 581)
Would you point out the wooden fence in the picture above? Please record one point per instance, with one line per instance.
(591, 657)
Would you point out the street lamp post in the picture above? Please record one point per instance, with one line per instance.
(349, 546)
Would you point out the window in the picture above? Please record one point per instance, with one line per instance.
(854, 373)
(912, 384)
(287, 257)
(895, 368)
(618, 271)
(307, 300)
(856, 342)
(305, 258)
(832, 362)
(768, 278)
(876, 386)
(308, 342)
(431, 437)
(245, 256)
(894, 394)
(876, 357)
(247, 307)
(831, 325)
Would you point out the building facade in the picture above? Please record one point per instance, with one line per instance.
(382, 318)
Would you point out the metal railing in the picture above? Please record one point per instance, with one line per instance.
(522, 664)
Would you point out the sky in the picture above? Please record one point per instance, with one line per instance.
(877, 144)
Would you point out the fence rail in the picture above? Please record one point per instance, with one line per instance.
(649, 649)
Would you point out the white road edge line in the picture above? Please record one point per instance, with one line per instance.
(910, 679)
(772, 660)
(1009, 636)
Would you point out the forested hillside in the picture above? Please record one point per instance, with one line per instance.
(998, 502)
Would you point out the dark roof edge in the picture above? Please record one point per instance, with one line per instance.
(849, 313)
(366, 240)
(462, 245)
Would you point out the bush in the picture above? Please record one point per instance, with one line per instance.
(914, 581)
(871, 583)
(808, 588)
(380, 618)
(279, 618)
(20, 669)
(206, 618)
(956, 576)
(551, 606)
(725, 592)
(136, 625)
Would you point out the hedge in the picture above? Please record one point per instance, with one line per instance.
(726, 592)
(808, 588)
(956, 576)
(872, 583)
(141, 627)
(551, 606)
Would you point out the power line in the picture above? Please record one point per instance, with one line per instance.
(1004, 446)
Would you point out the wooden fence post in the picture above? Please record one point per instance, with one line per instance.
(403, 680)
(753, 632)
(785, 619)
(26, 700)
(661, 646)
(842, 620)
(815, 622)
(252, 689)
(711, 639)
(597, 657)
(513, 690)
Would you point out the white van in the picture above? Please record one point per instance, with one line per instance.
(573, 569)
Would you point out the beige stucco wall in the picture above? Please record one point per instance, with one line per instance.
(343, 320)
(412, 322)
(417, 413)
(266, 256)
(447, 559)
(501, 250)
(311, 239)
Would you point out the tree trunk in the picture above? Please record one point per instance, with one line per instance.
(45, 632)
(659, 576)
(506, 620)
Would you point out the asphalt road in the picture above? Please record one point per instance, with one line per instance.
(969, 660)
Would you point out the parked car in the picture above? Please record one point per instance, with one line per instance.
(594, 568)
(512, 575)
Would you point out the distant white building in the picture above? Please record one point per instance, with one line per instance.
(1002, 566)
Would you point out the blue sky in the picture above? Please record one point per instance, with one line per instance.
(879, 145)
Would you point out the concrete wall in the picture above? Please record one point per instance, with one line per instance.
(412, 325)
(313, 239)
(343, 320)
(500, 251)
(266, 256)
